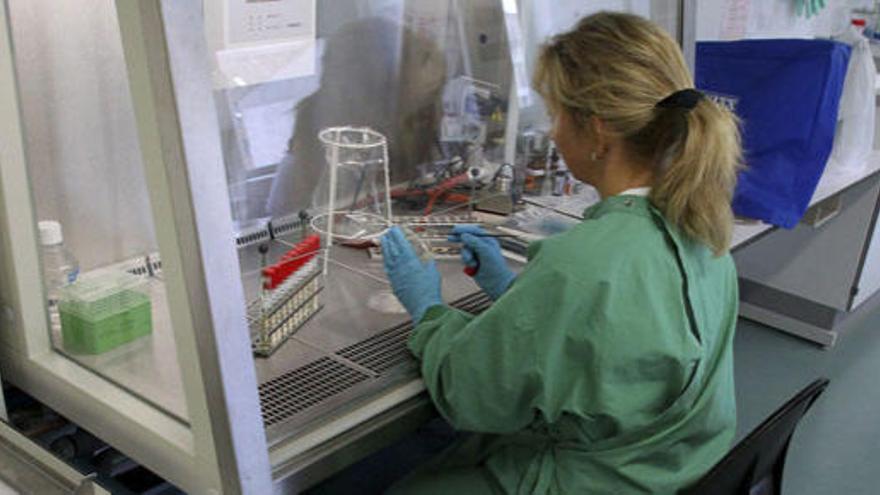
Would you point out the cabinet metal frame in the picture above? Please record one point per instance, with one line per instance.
(223, 448)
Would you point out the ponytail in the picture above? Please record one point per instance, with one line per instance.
(621, 68)
(698, 156)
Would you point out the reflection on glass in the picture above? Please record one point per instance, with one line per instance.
(375, 74)
(433, 77)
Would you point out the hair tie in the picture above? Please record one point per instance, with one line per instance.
(686, 99)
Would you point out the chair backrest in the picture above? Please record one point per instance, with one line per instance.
(754, 466)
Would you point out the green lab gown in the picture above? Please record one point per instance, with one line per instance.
(605, 368)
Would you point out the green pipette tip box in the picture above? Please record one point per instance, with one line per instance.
(100, 313)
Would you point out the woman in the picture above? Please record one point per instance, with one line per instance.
(605, 366)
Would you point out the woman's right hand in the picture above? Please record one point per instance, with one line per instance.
(483, 255)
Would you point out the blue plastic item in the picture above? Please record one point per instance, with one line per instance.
(416, 283)
(787, 93)
(483, 255)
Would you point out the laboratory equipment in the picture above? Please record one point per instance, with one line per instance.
(469, 107)
(102, 311)
(540, 171)
(357, 176)
(249, 22)
(60, 268)
(289, 298)
(504, 179)
(500, 195)
(551, 166)
(260, 41)
(455, 188)
(560, 180)
(532, 145)
(429, 234)
(469, 137)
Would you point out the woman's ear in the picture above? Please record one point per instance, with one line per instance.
(598, 132)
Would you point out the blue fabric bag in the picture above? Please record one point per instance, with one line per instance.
(787, 93)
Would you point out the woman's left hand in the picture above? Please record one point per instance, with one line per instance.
(415, 283)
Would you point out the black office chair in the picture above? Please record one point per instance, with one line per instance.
(754, 466)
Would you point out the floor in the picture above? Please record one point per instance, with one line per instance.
(837, 445)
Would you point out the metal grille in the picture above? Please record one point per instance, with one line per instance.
(287, 225)
(148, 266)
(139, 270)
(474, 303)
(381, 352)
(297, 390)
(268, 232)
(387, 350)
(253, 237)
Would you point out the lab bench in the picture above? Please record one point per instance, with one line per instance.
(807, 281)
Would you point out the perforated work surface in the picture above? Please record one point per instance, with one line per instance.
(380, 352)
(303, 388)
(474, 303)
(388, 349)
(297, 390)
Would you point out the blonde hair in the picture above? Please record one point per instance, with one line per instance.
(618, 67)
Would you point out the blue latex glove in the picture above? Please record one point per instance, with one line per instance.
(484, 255)
(415, 283)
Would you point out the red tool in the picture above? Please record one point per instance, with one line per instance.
(471, 271)
(291, 262)
(435, 193)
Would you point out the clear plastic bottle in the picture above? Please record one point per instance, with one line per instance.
(60, 268)
(552, 166)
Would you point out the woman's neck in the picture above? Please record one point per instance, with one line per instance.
(620, 174)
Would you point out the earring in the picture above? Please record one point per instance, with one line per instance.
(594, 156)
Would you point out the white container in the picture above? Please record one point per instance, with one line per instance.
(60, 268)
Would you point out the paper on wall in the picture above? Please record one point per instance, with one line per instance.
(735, 23)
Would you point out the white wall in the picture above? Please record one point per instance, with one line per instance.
(540, 21)
(733, 19)
(83, 155)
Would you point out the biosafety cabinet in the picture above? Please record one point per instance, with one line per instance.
(219, 170)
